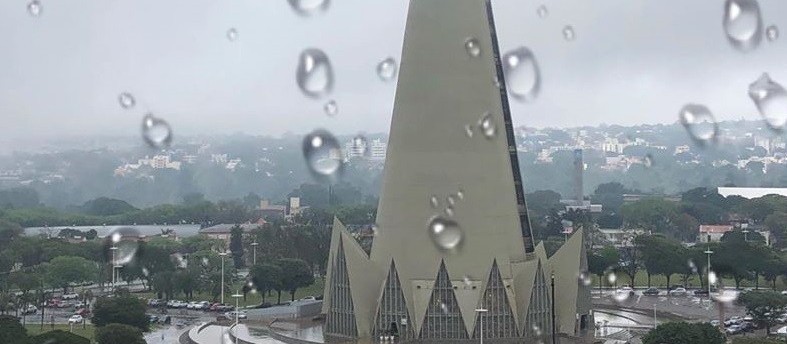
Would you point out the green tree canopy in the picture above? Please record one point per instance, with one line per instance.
(266, 277)
(64, 270)
(58, 337)
(11, 331)
(119, 334)
(764, 306)
(295, 273)
(684, 333)
(122, 309)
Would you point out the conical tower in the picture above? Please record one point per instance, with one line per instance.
(451, 158)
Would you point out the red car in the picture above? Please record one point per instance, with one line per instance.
(217, 307)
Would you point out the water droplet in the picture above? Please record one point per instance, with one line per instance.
(469, 130)
(699, 122)
(386, 69)
(621, 295)
(125, 243)
(584, 279)
(542, 11)
(537, 330)
(434, 202)
(568, 33)
(770, 98)
(323, 155)
(611, 278)
(449, 211)
(446, 234)
(712, 279)
(450, 200)
(34, 8)
(127, 100)
(180, 261)
(156, 132)
(360, 145)
(772, 33)
(742, 23)
(648, 160)
(309, 7)
(473, 47)
(467, 280)
(692, 266)
(460, 194)
(232, 34)
(375, 229)
(444, 307)
(145, 272)
(523, 78)
(726, 296)
(205, 262)
(315, 73)
(331, 108)
(487, 125)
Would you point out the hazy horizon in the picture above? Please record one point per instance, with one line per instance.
(631, 63)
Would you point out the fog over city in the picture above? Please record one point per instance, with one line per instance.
(631, 62)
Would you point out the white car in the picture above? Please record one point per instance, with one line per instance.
(677, 292)
(70, 296)
(625, 290)
(231, 315)
(76, 319)
(309, 298)
(192, 305)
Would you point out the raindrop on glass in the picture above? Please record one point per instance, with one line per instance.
(156, 132)
(315, 73)
(772, 33)
(323, 155)
(434, 202)
(34, 8)
(621, 294)
(542, 11)
(712, 279)
(232, 34)
(469, 130)
(449, 211)
(180, 261)
(487, 125)
(612, 278)
(473, 47)
(122, 243)
(699, 122)
(523, 78)
(460, 194)
(444, 307)
(648, 160)
(770, 97)
(386, 69)
(742, 23)
(726, 296)
(205, 262)
(568, 33)
(450, 200)
(331, 108)
(446, 234)
(584, 279)
(467, 281)
(309, 7)
(127, 100)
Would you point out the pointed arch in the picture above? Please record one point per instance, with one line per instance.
(392, 317)
(340, 318)
(538, 323)
(498, 320)
(443, 319)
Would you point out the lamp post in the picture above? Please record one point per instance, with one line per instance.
(237, 297)
(114, 250)
(481, 312)
(553, 308)
(708, 252)
(745, 235)
(254, 253)
(222, 254)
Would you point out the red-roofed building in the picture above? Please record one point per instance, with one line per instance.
(713, 233)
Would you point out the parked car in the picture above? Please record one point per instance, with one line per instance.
(733, 329)
(76, 319)
(701, 292)
(625, 290)
(309, 298)
(191, 305)
(155, 302)
(30, 309)
(70, 296)
(84, 312)
(202, 305)
(153, 319)
(217, 307)
(677, 292)
(651, 292)
(231, 315)
(715, 323)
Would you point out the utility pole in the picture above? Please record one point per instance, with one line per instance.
(481, 312)
(222, 254)
(553, 310)
(254, 254)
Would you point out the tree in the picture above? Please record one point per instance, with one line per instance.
(119, 334)
(609, 195)
(266, 278)
(295, 273)
(64, 270)
(106, 206)
(601, 262)
(684, 333)
(236, 245)
(750, 340)
(764, 306)
(122, 309)
(660, 256)
(11, 331)
(58, 337)
(163, 284)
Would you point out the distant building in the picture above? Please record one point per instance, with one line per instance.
(713, 233)
(378, 150)
(224, 231)
(619, 237)
(374, 150)
(751, 192)
(271, 211)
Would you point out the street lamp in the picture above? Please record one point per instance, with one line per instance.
(254, 254)
(222, 254)
(482, 312)
(745, 235)
(553, 308)
(708, 252)
(114, 264)
(237, 297)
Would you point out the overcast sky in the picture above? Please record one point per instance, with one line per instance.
(633, 61)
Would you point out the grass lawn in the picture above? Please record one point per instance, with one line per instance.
(658, 281)
(315, 289)
(88, 332)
